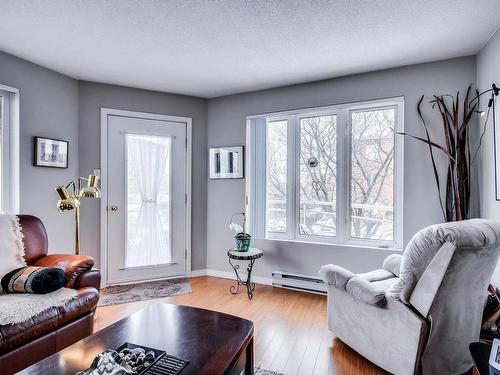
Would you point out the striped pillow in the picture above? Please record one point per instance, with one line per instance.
(30, 279)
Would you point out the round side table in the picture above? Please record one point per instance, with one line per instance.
(251, 256)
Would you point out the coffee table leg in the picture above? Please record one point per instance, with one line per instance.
(249, 365)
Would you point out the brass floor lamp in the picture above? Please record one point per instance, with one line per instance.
(69, 202)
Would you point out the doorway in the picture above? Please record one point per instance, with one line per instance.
(145, 214)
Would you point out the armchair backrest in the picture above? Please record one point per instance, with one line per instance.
(476, 236)
(35, 238)
(446, 268)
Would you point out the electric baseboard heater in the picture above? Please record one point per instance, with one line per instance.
(298, 282)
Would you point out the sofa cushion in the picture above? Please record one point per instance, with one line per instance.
(34, 238)
(384, 285)
(376, 275)
(15, 335)
(393, 264)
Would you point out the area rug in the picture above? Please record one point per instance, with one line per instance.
(261, 371)
(118, 294)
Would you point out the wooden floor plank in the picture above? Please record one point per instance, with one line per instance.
(291, 331)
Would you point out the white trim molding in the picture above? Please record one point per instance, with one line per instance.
(256, 172)
(10, 149)
(230, 275)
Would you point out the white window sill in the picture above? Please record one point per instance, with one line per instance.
(364, 246)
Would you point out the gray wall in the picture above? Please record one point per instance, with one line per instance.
(488, 72)
(54, 105)
(93, 96)
(226, 126)
(49, 108)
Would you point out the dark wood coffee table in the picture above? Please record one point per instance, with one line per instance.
(212, 342)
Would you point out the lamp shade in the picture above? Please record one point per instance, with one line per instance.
(91, 190)
(66, 202)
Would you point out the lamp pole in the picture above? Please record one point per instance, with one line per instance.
(77, 230)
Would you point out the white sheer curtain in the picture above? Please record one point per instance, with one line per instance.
(148, 198)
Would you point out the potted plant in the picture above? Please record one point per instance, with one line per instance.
(456, 121)
(242, 238)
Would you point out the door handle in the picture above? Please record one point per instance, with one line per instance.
(114, 208)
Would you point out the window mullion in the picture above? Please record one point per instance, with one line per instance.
(293, 178)
(343, 174)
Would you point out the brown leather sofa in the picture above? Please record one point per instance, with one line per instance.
(26, 343)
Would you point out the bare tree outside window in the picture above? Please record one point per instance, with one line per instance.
(318, 175)
(372, 174)
(276, 186)
(305, 182)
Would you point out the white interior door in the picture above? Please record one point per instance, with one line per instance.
(146, 197)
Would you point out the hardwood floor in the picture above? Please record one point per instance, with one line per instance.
(291, 332)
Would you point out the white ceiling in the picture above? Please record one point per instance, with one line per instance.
(210, 48)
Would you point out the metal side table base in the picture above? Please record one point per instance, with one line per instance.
(251, 255)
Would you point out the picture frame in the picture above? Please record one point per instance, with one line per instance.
(226, 162)
(50, 153)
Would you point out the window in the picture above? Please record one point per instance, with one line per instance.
(317, 158)
(332, 174)
(9, 141)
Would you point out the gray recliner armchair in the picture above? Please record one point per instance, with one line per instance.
(420, 311)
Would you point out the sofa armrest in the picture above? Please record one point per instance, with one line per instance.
(335, 275)
(393, 264)
(89, 278)
(366, 292)
(72, 265)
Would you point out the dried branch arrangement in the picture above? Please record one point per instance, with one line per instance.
(456, 118)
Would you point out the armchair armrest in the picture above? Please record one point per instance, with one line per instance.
(393, 264)
(72, 265)
(365, 291)
(335, 275)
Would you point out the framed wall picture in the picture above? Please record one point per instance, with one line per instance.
(51, 153)
(226, 162)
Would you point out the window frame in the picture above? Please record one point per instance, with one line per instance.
(313, 237)
(256, 202)
(9, 148)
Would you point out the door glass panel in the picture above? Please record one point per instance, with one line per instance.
(372, 174)
(148, 200)
(318, 175)
(276, 179)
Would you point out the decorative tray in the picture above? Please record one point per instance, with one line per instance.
(135, 359)
(128, 347)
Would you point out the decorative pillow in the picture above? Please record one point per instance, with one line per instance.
(39, 280)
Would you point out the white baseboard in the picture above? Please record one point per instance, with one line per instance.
(198, 273)
(230, 275)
